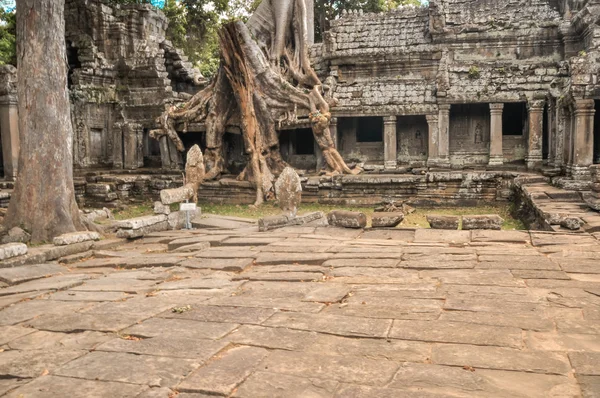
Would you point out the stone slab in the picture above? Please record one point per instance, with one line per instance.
(141, 232)
(220, 264)
(30, 364)
(26, 310)
(586, 363)
(486, 222)
(77, 322)
(291, 258)
(183, 328)
(273, 385)
(56, 386)
(166, 346)
(225, 373)
(10, 250)
(27, 273)
(501, 358)
(42, 340)
(500, 236)
(328, 293)
(272, 338)
(134, 369)
(141, 222)
(432, 235)
(75, 237)
(341, 368)
(10, 333)
(332, 324)
(224, 314)
(54, 283)
(456, 332)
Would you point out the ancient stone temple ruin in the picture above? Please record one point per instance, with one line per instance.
(461, 84)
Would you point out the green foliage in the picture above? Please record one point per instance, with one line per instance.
(8, 44)
(474, 73)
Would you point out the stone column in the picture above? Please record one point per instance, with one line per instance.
(333, 130)
(9, 128)
(390, 141)
(496, 153)
(444, 135)
(583, 139)
(534, 157)
(434, 139)
(552, 139)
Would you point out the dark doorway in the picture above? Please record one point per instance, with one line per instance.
(369, 129)
(151, 151)
(514, 118)
(298, 148)
(545, 133)
(73, 62)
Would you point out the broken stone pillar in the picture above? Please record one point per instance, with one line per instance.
(194, 170)
(496, 153)
(534, 157)
(583, 139)
(444, 135)
(9, 121)
(288, 190)
(433, 147)
(310, 22)
(390, 142)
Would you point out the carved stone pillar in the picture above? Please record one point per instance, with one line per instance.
(9, 128)
(496, 153)
(567, 140)
(552, 128)
(534, 156)
(583, 139)
(444, 135)
(333, 129)
(390, 142)
(433, 147)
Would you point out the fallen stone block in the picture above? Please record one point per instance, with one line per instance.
(16, 235)
(347, 219)
(443, 222)
(75, 237)
(176, 219)
(489, 221)
(56, 252)
(273, 222)
(11, 250)
(572, 223)
(140, 232)
(159, 208)
(176, 195)
(387, 219)
(141, 222)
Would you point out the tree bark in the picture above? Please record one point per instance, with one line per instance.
(43, 201)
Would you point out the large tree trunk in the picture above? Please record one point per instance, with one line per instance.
(265, 79)
(43, 201)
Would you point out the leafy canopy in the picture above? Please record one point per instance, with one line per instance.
(8, 46)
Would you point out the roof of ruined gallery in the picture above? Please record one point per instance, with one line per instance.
(412, 29)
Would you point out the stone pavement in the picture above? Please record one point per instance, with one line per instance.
(308, 312)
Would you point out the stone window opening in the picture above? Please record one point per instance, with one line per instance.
(369, 129)
(73, 62)
(304, 142)
(514, 119)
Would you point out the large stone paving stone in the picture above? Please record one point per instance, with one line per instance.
(537, 274)
(435, 263)
(579, 266)
(332, 324)
(57, 386)
(183, 328)
(328, 293)
(203, 283)
(272, 338)
(221, 264)
(272, 385)
(77, 322)
(166, 346)
(29, 364)
(586, 363)
(500, 358)
(457, 332)
(223, 374)
(549, 239)
(54, 283)
(341, 368)
(368, 263)
(27, 310)
(517, 262)
(500, 236)
(383, 312)
(229, 252)
(578, 326)
(115, 284)
(438, 235)
(258, 275)
(440, 257)
(493, 305)
(291, 258)
(129, 368)
(154, 260)
(282, 303)
(562, 342)
(26, 273)
(209, 313)
(7, 385)
(393, 350)
(590, 386)
(144, 307)
(474, 277)
(353, 390)
(10, 333)
(367, 299)
(396, 235)
(41, 340)
(314, 248)
(70, 295)
(248, 241)
(527, 322)
(456, 381)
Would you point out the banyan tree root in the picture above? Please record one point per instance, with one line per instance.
(264, 79)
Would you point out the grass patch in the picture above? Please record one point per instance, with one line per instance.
(128, 212)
